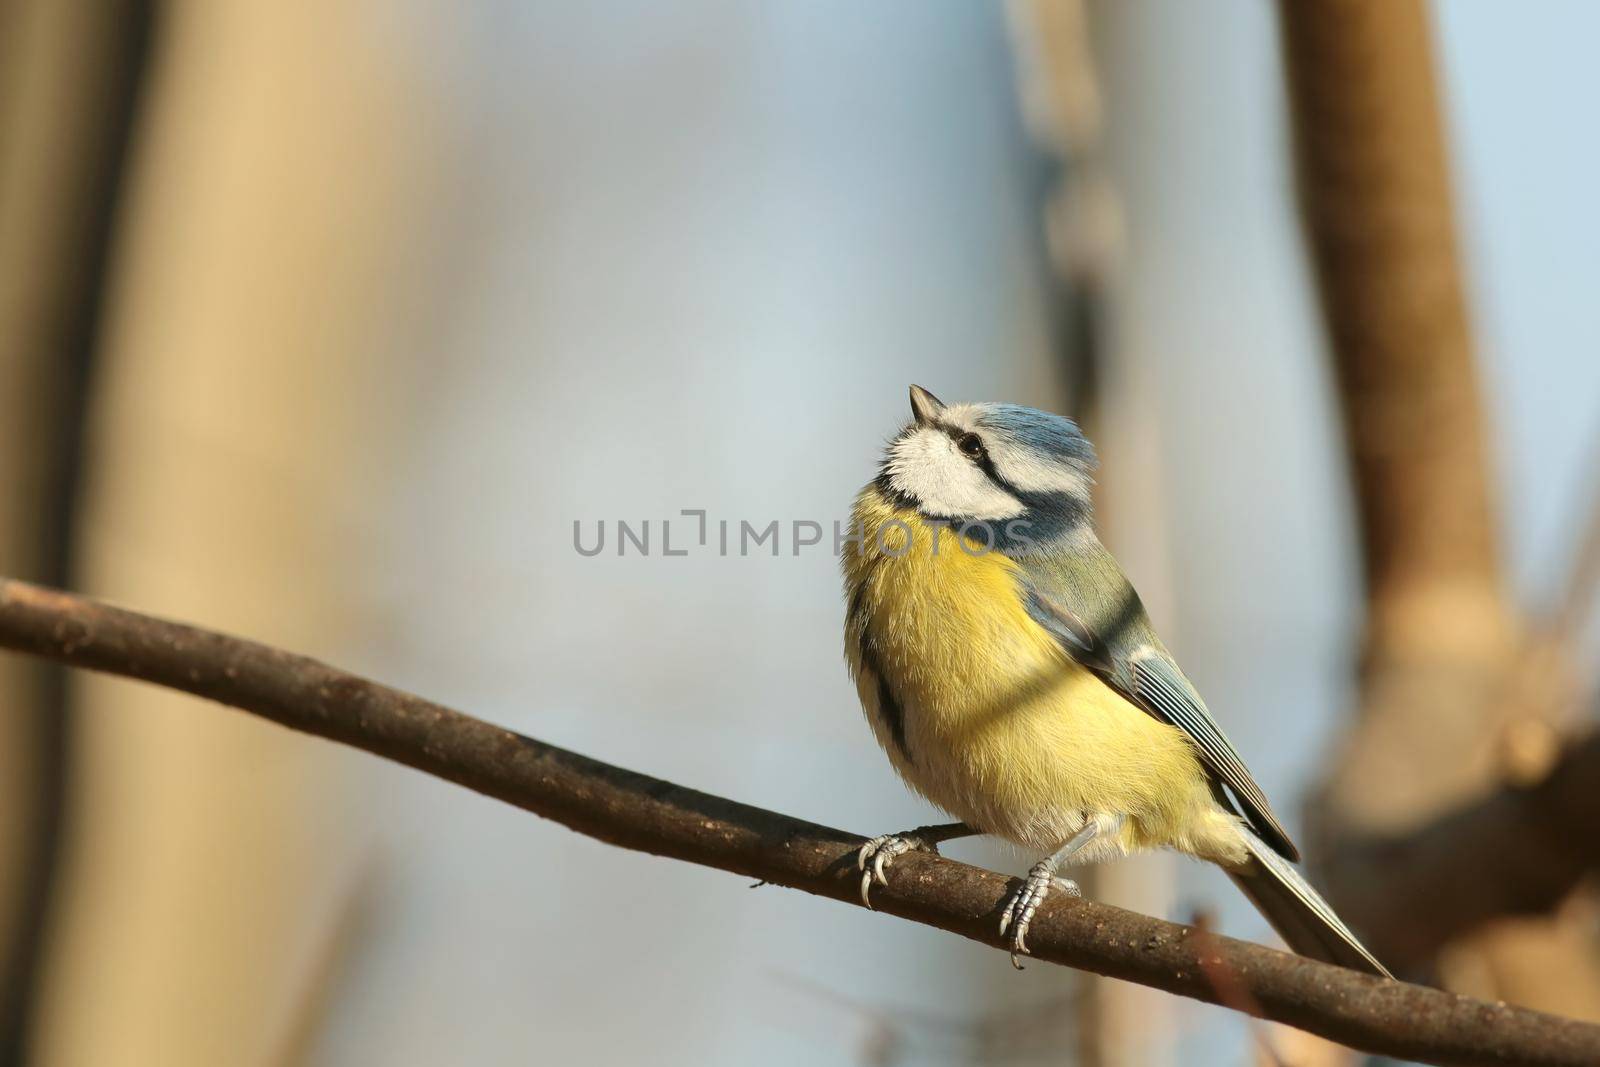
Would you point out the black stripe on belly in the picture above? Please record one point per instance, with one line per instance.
(888, 706)
(893, 713)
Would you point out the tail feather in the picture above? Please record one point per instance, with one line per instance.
(1301, 917)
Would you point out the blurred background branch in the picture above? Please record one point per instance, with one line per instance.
(1442, 688)
(1518, 852)
(638, 812)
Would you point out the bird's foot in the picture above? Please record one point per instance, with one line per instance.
(1025, 901)
(876, 855)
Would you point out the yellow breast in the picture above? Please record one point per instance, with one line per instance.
(997, 724)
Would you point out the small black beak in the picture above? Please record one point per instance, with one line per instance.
(924, 405)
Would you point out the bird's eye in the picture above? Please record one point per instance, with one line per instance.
(970, 444)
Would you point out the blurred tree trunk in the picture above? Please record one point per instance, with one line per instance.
(70, 74)
(1118, 1024)
(259, 265)
(1443, 641)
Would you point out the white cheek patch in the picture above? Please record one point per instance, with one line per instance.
(925, 464)
(1031, 473)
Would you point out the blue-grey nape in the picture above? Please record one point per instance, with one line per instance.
(1053, 435)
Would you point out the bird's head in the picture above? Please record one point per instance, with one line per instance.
(991, 464)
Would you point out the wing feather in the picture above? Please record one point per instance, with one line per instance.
(1147, 677)
(1164, 692)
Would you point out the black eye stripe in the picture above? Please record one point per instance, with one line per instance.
(981, 459)
(965, 441)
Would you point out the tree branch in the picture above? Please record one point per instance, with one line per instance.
(646, 814)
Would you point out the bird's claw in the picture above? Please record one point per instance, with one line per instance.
(876, 855)
(1025, 900)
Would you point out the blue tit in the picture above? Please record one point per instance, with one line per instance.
(1008, 669)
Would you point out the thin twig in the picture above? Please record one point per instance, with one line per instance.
(636, 811)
